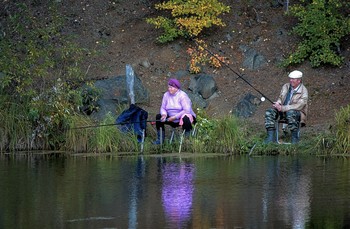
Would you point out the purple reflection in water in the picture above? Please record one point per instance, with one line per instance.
(177, 190)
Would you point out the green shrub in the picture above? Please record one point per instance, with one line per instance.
(188, 18)
(204, 125)
(224, 135)
(342, 142)
(321, 27)
(227, 136)
(336, 141)
(40, 71)
(35, 53)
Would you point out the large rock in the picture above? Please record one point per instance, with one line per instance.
(197, 100)
(247, 106)
(113, 92)
(204, 85)
(252, 59)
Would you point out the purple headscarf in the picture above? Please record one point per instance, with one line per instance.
(174, 83)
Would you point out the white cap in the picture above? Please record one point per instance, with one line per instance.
(295, 74)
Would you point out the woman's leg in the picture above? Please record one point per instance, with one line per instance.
(160, 130)
(159, 124)
(187, 125)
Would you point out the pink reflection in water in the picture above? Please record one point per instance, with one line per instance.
(177, 191)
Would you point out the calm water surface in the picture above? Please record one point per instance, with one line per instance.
(159, 192)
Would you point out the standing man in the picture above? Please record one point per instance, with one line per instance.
(290, 105)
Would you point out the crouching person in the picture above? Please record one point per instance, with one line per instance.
(291, 105)
(176, 110)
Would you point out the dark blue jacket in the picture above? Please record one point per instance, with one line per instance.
(134, 119)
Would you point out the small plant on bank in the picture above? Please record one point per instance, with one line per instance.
(224, 135)
(342, 143)
(321, 27)
(78, 137)
(188, 18)
(204, 125)
(200, 57)
(227, 136)
(337, 141)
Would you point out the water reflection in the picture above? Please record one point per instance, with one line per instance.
(287, 186)
(134, 190)
(263, 192)
(177, 193)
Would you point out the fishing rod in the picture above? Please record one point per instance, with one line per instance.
(239, 75)
(114, 124)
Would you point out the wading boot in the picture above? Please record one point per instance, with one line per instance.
(271, 136)
(295, 136)
(160, 137)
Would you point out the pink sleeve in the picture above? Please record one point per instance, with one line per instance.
(164, 102)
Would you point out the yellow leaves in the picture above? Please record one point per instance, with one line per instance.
(157, 22)
(200, 57)
(194, 24)
(217, 61)
(192, 16)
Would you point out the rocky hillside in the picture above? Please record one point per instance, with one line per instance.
(117, 30)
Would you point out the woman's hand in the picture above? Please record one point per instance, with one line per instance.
(163, 118)
(171, 119)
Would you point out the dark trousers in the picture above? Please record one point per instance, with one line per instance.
(292, 117)
(187, 125)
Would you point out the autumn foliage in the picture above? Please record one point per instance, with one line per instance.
(188, 18)
(200, 57)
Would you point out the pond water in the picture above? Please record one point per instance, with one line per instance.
(164, 192)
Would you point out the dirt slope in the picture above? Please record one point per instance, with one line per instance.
(118, 31)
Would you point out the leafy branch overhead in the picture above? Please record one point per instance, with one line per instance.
(188, 18)
(321, 27)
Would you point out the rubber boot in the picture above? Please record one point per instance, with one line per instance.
(160, 137)
(271, 136)
(188, 133)
(295, 136)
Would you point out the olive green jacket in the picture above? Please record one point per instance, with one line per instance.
(298, 101)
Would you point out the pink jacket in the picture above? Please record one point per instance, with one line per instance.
(176, 105)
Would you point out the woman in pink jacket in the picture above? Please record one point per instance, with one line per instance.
(176, 110)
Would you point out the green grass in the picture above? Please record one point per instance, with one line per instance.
(15, 129)
(227, 135)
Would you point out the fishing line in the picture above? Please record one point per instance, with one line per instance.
(239, 75)
(113, 124)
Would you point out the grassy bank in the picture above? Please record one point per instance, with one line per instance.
(42, 103)
(228, 135)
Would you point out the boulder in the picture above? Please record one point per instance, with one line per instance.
(247, 106)
(113, 92)
(204, 85)
(197, 100)
(252, 59)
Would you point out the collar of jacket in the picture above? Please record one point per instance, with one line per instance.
(297, 90)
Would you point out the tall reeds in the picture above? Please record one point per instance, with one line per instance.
(84, 135)
(15, 129)
(219, 136)
(226, 136)
(342, 142)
